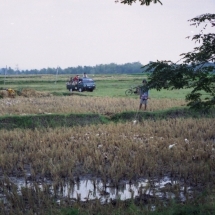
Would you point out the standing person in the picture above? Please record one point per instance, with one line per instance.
(85, 75)
(144, 94)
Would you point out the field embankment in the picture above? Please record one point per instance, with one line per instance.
(47, 120)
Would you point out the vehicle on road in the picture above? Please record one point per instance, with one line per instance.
(83, 84)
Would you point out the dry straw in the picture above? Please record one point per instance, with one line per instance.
(76, 104)
(113, 151)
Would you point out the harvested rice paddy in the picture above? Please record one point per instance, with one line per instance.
(142, 157)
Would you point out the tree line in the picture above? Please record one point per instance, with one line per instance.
(112, 68)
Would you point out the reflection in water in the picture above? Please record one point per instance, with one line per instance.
(86, 189)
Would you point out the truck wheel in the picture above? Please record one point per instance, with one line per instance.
(80, 90)
(70, 90)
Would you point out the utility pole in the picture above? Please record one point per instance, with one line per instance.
(5, 72)
(17, 69)
(56, 76)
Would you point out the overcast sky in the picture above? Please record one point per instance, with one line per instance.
(67, 33)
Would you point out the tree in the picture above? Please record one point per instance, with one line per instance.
(142, 2)
(197, 70)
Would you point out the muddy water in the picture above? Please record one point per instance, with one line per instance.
(86, 189)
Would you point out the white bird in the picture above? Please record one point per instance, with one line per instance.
(135, 121)
(186, 140)
(171, 146)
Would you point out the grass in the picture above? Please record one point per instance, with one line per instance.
(71, 120)
(51, 121)
(36, 102)
(133, 210)
(107, 85)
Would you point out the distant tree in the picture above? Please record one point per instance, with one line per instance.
(111, 68)
(197, 70)
(142, 2)
(10, 71)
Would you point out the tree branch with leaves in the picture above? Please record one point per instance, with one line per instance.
(142, 2)
(197, 70)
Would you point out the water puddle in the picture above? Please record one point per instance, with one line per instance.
(85, 189)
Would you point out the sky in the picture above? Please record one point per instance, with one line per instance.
(37, 34)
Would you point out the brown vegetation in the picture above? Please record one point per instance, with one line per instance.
(27, 92)
(75, 104)
(114, 151)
